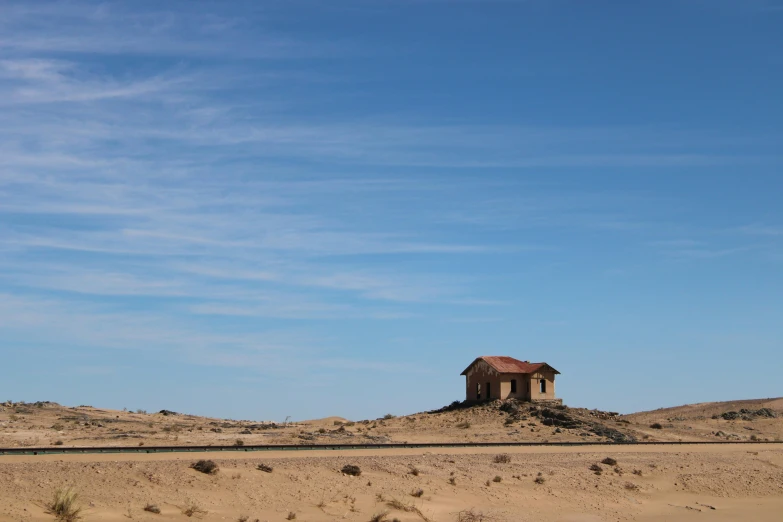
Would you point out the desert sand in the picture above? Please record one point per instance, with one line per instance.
(647, 482)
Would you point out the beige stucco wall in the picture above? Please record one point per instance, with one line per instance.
(535, 379)
(500, 384)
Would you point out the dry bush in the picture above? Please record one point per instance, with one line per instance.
(264, 468)
(497, 478)
(236, 476)
(540, 479)
(597, 469)
(379, 516)
(503, 458)
(452, 481)
(193, 509)
(243, 518)
(152, 508)
(57, 443)
(463, 425)
(414, 471)
(64, 505)
(205, 466)
(388, 416)
(417, 493)
(291, 516)
(609, 461)
(351, 469)
(471, 515)
(239, 442)
(656, 426)
(379, 497)
(408, 508)
(631, 486)
(637, 472)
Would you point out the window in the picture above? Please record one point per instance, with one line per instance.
(542, 383)
(513, 385)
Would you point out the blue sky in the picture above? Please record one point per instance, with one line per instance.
(262, 209)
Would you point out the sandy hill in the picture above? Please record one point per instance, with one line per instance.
(47, 423)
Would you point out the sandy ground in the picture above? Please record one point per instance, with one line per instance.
(44, 424)
(648, 482)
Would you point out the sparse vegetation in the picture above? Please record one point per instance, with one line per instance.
(471, 516)
(239, 442)
(388, 416)
(152, 508)
(540, 479)
(631, 486)
(596, 469)
(463, 425)
(263, 467)
(379, 516)
(414, 471)
(656, 426)
(57, 443)
(193, 509)
(205, 466)
(452, 481)
(417, 493)
(609, 461)
(243, 518)
(637, 472)
(408, 508)
(351, 469)
(64, 505)
(291, 516)
(503, 458)
(497, 478)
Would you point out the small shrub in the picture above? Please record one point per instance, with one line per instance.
(64, 505)
(596, 469)
(291, 516)
(463, 425)
(379, 516)
(388, 416)
(152, 508)
(243, 518)
(351, 469)
(321, 430)
(488, 483)
(452, 481)
(754, 438)
(58, 427)
(57, 443)
(414, 471)
(609, 461)
(630, 486)
(539, 479)
(193, 509)
(497, 478)
(471, 516)
(637, 472)
(656, 426)
(205, 466)
(417, 493)
(264, 468)
(503, 458)
(239, 442)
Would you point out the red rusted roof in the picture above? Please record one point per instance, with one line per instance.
(504, 364)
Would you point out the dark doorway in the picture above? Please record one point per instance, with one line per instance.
(478, 391)
(513, 385)
(542, 384)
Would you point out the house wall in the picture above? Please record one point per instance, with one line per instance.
(482, 373)
(535, 379)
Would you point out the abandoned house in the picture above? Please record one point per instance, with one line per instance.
(499, 377)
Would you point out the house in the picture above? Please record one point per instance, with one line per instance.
(499, 377)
